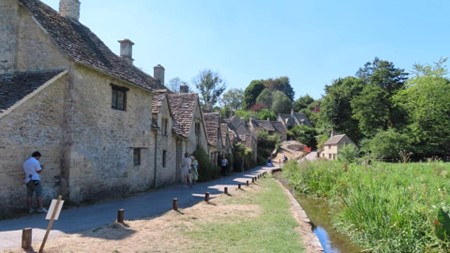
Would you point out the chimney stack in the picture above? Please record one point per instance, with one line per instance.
(184, 88)
(158, 73)
(70, 9)
(126, 50)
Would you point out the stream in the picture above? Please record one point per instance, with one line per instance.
(318, 212)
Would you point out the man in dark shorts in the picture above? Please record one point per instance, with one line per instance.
(32, 169)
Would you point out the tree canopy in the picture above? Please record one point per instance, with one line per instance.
(210, 86)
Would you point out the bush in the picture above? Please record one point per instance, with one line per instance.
(348, 153)
(386, 145)
(206, 170)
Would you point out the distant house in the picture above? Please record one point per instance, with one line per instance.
(242, 134)
(293, 119)
(331, 146)
(271, 127)
(214, 134)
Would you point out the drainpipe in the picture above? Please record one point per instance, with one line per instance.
(156, 155)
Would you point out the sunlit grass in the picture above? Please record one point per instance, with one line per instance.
(383, 207)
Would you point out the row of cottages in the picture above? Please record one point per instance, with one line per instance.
(271, 127)
(103, 125)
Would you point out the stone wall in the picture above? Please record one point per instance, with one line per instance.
(8, 34)
(35, 125)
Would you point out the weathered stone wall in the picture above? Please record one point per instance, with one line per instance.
(165, 175)
(8, 34)
(193, 140)
(37, 124)
(102, 138)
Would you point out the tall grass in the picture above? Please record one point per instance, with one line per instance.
(383, 207)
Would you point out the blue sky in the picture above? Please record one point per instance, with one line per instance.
(312, 42)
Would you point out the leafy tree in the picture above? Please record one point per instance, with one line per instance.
(265, 98)
(303, 102)
(252, 92)
(370, 110)
(383, 74)
(281, 84)
(281, 103)
(210, 86)
(427, 102)
(386, 145)
(348, 153)
(304, 134)
(233, 99)
(335, 109)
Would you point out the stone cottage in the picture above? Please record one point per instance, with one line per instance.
(331, 146)
(87, 110)
(214, 134)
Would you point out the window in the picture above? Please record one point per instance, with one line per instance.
(164, 157)
(137, 156)
(165, 126)
(197, 128)
(119, 97)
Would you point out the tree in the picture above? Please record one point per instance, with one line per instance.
(281, 103)
(252, 92)
(427, 102)
(175, 83)
(265, 114)
(233, 99)
(383, 74)
(280, 84)
(386, 145)
(335, 109)
(210, 86)
(302, 102)
(305, 135)
(265, 98)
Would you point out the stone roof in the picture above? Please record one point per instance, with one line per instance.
(16, 86)
(158, 99)
(183, 107)
(294, 118)
(263, 124)
(83, 46)
(278, 126)
(224, 132)
(335, 139)
(212, 126)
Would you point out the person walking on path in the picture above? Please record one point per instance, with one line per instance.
(185, 168)
(32, 169)
(194, 170)
(223, 165)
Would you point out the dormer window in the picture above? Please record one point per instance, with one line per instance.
(119, 97)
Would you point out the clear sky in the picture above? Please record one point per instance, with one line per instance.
(312, 42)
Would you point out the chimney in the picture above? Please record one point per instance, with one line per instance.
(158, 73)
(126, 50)
(184, 88)
(70, 9)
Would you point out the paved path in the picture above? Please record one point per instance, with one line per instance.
(143, 205)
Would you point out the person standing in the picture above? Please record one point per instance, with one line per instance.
(32, 169)
(185, 168)
(223, 165)
(194, 170)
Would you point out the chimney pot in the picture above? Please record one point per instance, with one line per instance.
(184, 88)
(126, 50)
(70, 9)
(158, 73)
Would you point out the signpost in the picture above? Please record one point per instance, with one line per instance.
(52, 215)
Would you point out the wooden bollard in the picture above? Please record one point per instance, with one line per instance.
(27, 237)
(207, 196)
(239, 186)
(225, 190)
(175, 204)
(120, 216)
(247, 183)
(253, 179)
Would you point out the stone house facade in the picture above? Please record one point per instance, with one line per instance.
(87, 110)
(331, 146)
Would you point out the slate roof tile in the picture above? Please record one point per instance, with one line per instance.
(183, 108)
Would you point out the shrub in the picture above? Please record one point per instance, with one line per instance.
(206, 170)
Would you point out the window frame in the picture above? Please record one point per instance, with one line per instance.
(116, 91)
(137, 156)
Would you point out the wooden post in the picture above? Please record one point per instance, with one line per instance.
(27, 237)
(175, 204)
(120, 216)
(50, 224)
(247, 183)
(225, 190)
(207, 196)
(239, 186)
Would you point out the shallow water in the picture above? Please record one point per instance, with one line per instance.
(318, 212)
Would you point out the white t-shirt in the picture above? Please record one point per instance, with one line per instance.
(31, 167)
(224, 162)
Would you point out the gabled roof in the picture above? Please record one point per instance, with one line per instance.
(83, 46)
(225, 133)
(263, 124)
(301, 118)
(212, 125)
(294, 118)
(183, 108)
(158, 99)
(16, 86)
(278, 126)
(336, 139)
